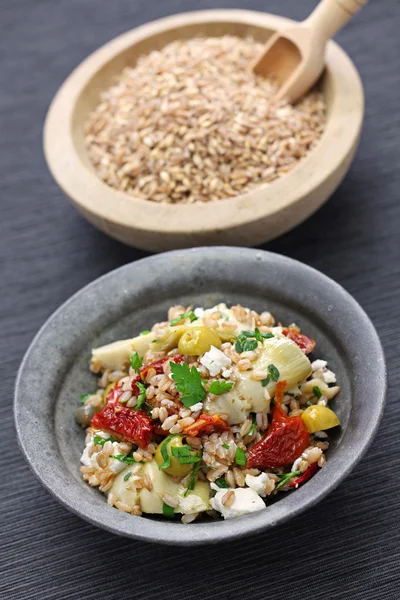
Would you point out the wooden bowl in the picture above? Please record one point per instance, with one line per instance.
(247, 219)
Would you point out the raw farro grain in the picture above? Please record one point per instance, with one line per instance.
(192, 123)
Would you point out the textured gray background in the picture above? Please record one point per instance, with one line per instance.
(348, 546)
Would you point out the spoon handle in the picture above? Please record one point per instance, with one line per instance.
(330, 15)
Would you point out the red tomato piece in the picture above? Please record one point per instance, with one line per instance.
(285, 439)
(158, 365)
(305, 343)
(305, 477)
(206, 424)
(123, 422)
(134, 387)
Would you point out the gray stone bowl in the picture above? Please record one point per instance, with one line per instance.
(55, 372)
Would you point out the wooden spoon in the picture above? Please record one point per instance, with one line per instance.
(295, 56)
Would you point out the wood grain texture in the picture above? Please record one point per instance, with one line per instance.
(348, 546)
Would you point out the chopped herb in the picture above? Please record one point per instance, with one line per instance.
(266, 381)
(240, 457)
(136, 362)
(220, 387)
(189, 314)
(154, 341)
(184, 455)
(84, 397)
(285, 477)
(274, 372)
(267, 335)
(142, 395)
(165, 453)
(145, 332)
(188, 383)
(188, 460)
(253, 426)
(221, 482)
(100, 440)
(317, 392)
(129, 460)
(126, 477)
(226, 446)
(249, 345)
(167, 511)
(238, 346)
(192, 481)
(248, 333)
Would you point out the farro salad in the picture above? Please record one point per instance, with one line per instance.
(212, 412)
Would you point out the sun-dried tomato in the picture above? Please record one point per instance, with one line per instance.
(206, 424)
(134, 387)
(285, 439)
(125, 424)
(305, 477)
(304, 342)
(158, 365)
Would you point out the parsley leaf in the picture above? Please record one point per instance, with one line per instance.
(274, 372)
(84, 397)
(145, 332)
(253, 426)
(142, 395)
(221, 482)
(238, 346)
(266, 381)
(317, 392)
(226, 446)
(129, 460)
(100, 440)
(250, 345)
(167, 511)
(165, 453)
(285, 477)
(136, 362)
(220, 387)
(188, 383)
(192, 481)
(126, 477)
(240, 457)
(189, 314)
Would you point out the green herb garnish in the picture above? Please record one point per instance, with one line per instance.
(220, 387)
(240, 457)
(189, 314)
(145, 332)
(100, 440)
(285, 477)
(126, 477)
(317, 392)
(142, 395)
(245, 341)
(250, 345)
(253, 426)
(188, 383)
(274, 372)
(84, 397)
(167, 511)
(184, 455)
(221, 482)
(129, 460)
(136, 362)
(266, 381)
(238, 346)
(226, 446)
(192, 481)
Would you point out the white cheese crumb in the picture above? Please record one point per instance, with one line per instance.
(215, 361)
(246, 501)
(227, 373)
(257, 483)
(329, 376)
(116, 466)
(318, 364)
(199, 312)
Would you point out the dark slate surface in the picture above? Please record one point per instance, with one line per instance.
(348, 546)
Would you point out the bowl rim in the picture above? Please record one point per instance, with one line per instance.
(207, 533)
(97, 200)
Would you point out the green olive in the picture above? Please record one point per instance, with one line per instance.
(175, 468)
(198, 340)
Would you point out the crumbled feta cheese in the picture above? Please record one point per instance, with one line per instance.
(215, 361)
(227, 373)
(257, 483)
(318, 364)
(196, 407)
(329, 376)
(246, 501)
(116, 466)
(199, 312)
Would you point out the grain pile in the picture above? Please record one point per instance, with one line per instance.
(191, 123)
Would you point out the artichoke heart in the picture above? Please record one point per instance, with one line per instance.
(247, 395)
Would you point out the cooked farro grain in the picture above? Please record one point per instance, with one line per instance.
(210, 444)
(192, 123)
